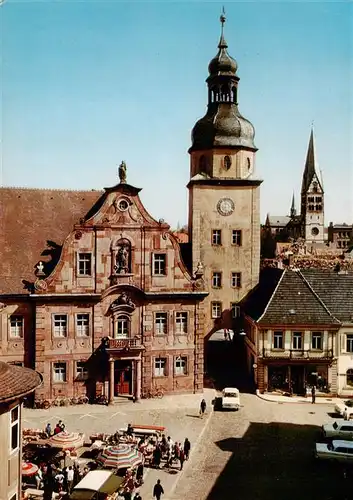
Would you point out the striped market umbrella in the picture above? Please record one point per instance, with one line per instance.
(29, 469)
(66, 440)
(120, 457)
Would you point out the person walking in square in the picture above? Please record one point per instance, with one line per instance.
(202, 408)
(187, 447)
(181, 458)
(313, 394)
(158, 490)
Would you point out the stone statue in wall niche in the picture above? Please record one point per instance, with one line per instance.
(122, 260)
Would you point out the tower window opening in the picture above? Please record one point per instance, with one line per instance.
(318, 207)
(227, 162)
(234, 95)
(224, 93)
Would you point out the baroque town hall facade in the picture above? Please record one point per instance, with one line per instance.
(111, 308)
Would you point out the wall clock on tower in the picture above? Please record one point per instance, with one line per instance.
(225, 206)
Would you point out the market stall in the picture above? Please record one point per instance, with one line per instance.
(98, 485)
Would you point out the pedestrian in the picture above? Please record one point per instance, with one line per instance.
(70, 478)
(187, 447)
(48, 430)
(202, 408)
(181, 458)
(157, 455)
(313, 394)
(137, 496)
(158, 490)
(39, 478)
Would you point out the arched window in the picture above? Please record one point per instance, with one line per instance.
(234, 94)
(122, 327)
(349, 376)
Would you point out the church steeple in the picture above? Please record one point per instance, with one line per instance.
(312, 197)
(311, 169)
(293, 210)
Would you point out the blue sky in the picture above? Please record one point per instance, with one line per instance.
(88, 84)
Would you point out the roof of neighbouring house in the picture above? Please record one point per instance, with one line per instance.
(255, 302)
(278, 220)
(335, 290)
(29, 219)
(292, 302)
(16, 381)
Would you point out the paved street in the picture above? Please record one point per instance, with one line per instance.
(264, 451)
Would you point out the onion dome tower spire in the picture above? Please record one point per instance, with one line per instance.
(223, 125)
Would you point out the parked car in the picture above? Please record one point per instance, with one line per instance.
(345, 408)
(336, 451)
(338, 430)
(230, 398)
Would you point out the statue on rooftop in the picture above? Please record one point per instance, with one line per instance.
(122, 172)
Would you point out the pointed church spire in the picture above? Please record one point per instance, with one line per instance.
(310, 169)
(293, 211)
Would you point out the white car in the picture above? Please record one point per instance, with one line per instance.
(230, 398)
(338, 430)
(345, 408)
(337, 451)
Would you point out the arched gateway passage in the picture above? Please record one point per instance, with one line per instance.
(225, 359)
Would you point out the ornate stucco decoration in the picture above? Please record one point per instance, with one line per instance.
(123, 304)
(198, 279)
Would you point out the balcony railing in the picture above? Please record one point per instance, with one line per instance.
(134, 343)
(297, 354)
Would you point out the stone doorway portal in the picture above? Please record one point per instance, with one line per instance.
(122, 378)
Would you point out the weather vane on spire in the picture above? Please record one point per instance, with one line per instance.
(223, 17)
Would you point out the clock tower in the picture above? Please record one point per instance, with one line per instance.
(224, 195)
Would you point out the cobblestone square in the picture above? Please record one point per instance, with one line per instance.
(262, 452)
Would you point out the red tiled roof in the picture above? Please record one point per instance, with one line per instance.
(16, 381)
(181, 236)
(28, 219)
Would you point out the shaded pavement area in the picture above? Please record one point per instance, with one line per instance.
(264, 452)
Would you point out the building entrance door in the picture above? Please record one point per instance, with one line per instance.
(297, 379)
(122, 377)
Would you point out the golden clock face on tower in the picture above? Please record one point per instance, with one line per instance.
(225, 206)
